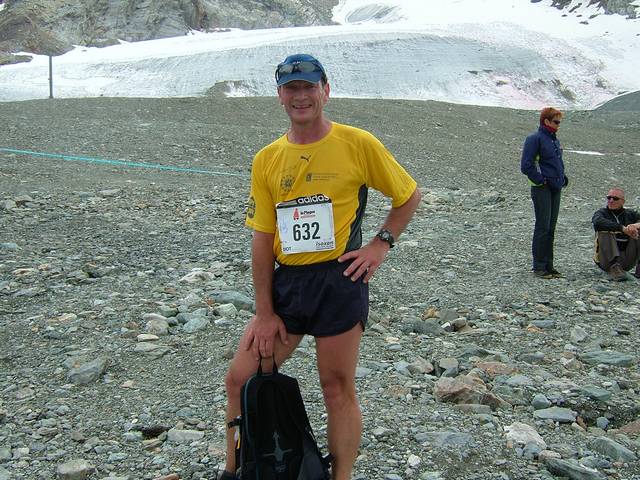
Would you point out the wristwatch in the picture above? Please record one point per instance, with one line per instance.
(386, 236)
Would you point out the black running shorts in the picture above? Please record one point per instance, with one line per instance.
(318, 299)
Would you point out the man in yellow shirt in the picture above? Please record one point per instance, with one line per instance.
(307, 201)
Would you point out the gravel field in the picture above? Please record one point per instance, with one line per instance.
(123, 291)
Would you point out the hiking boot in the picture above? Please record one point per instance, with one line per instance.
(637, 272)
(554, 273)
(616, 273)
(543, 274)
(226, 476)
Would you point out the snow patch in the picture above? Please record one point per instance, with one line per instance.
(506, 53)
(586, 152)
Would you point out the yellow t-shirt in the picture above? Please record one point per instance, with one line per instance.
(341, 166)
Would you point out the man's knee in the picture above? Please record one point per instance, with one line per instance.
(235, 379)
(338, 390)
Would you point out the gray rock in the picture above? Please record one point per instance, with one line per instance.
(572, 470)
(195, 324)
(240, 300)
(557, 414)
(184, 436)
(88, 372)
(602, 422)
(596, 393)
(607, 357)
(157, 326)
(76, 469)
(151, 349)
(5, 454)
(522, 434)
(167, 311)
(226, 310)
(613, 450)
(544, 324)
(426, 327)
(578, 334)
(540, 401)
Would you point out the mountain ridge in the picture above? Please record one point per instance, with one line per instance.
(53, 27)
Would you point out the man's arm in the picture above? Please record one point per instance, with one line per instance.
(265, 324)
(367, 259)
(633, 229)
(603, 224)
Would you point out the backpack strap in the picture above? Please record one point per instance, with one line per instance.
(235, 422)
(274, 370)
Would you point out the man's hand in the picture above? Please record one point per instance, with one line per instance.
(366, 260)
(259, 337)
(632, 230)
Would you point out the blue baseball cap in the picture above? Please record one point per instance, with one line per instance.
(300, 67)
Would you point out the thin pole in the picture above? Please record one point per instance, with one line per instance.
(50, 76)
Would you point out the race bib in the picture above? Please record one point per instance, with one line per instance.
(305, 224)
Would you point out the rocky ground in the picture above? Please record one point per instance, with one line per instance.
(123, 291)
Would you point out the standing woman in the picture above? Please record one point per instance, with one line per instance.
(542, 163)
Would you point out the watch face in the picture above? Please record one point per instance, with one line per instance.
(386, 236)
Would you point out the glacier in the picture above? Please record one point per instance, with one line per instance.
(506, 53)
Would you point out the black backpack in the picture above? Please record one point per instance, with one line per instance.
(275, 440)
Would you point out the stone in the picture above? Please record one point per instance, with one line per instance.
(523, 434)
(578, 334)
(241, 301)
(596, 393)
(197, 276)
(88, 372)
(228, 310)
(76, 469)
(184, 436)
(556, 414)
(540, 401)
(572, 469)
(607, 357)
(613, 450)
(466, 389)
(157, 326)
(195, 324)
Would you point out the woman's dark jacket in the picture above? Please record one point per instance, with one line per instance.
(542, 160)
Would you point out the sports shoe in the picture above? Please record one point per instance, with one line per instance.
(616, 273)
(226, 476)
(554, 273)
(543, 274)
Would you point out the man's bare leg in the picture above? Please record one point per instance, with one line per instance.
(241, 368)
(337, 361)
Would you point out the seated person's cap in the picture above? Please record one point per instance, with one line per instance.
(295, 67)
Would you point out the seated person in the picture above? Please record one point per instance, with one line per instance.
(617, 239)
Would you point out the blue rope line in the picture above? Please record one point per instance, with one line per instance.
(120, 162)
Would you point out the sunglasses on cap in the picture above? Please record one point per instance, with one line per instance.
(302, 66)
(612, 197)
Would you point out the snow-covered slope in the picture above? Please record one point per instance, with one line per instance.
(486, 52)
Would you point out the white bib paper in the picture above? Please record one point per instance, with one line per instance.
(305, 224)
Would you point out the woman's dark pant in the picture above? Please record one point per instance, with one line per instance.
(546, 205)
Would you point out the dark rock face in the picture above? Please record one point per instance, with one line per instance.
(52, 27)
(620, 7)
